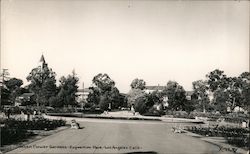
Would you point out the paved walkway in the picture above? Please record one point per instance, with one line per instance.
(117, 136)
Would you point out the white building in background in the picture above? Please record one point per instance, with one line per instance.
(25, 97)
(150, 89)
(82, 94)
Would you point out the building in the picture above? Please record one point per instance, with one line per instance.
(24, 98)
(82, 94)
(189, 95)
(150, 89)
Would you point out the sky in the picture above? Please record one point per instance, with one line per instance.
(156, 41)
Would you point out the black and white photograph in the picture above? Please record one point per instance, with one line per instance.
(124, 76)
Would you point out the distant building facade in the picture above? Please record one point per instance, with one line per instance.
(150, 89)
(82, 94)
(24, 98)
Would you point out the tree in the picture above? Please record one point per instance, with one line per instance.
(56, 101)
(104, 91)
(103, 82)
(234, 91)
(104, 102)
(140, 105)
(111, 99)
(4, 74)
(94, 96)
(221, 100)
(5, 93)
(176, 96)
(135, 94)
(68, 88)
(115, 98)
(200, 88)
(14, 86)
(231, 91)
(138, 84)
(42, 83)
(153, 98)
(217, 79)
(226, 90)
(190, 105)
(138, 97)
(245, 80)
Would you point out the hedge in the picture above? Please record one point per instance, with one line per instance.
(235, 136)
(35, 124)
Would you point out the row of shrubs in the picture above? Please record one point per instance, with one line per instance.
(231, 117)
(9, 136)
(219, 131)
(235, 136)
(34, 124)
(15, 110)
(15, 130)
(73, 110)
(239, 141)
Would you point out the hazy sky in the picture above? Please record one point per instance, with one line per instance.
(155, 40)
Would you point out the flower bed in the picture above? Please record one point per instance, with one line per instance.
(236, 136)
(35, 124)
(13, 135)
(74, 110)
(13, 131)
(236, 118)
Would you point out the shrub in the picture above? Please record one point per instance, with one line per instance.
(234, 136)
(55, 101)
(153, 112)
(35, 124)
(239, 141)
(180, 114)
(62, 110)
(236, 118)
(140, 105)
(198, 114)
(12, 110)
(9, 136)
(104, 103)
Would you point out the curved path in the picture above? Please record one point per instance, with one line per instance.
(119, 136)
